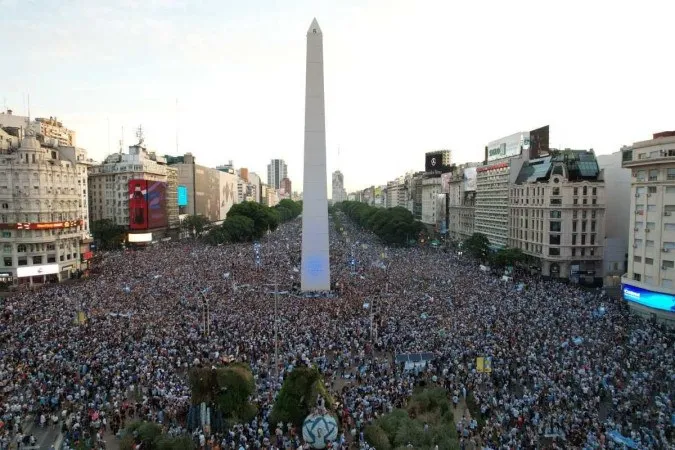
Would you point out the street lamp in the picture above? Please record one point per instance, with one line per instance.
(206, 315)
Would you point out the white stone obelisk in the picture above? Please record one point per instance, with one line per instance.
(315, 258)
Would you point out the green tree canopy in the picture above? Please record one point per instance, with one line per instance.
(238, 228)
(404, 427)
(195, 224)
(298, 396)
(263, 217)
(109, 235)
(394, 226)
(508, 257)
(149, 436)
(478, 246)
(226, 388)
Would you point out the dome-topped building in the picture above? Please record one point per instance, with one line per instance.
(42, 223)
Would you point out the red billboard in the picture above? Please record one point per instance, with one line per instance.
(157, 214)
(41, 225)
(138, 204)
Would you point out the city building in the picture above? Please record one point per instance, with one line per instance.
(49, 132)
(41, 210)
(503, 160)
(557, 215)
(202, 185)
(229, 189)
(397, 194)
(339, 194)
(254, 188)
(415, 187)
(431, 188)
(648, 284)
(109, 185)
(276, 171)
(286, 188)
(460, 187)
(617, 216)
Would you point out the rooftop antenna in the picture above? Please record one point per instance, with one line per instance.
(140, 136)
(122, 141)
(177, 127)
(108, 135)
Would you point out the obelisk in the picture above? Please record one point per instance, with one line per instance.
(315, 274)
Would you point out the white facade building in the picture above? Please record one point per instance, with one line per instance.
(431, 188)
(461, 189)
(109, 182)
(649, 285)
(41, 213)
(339, 194)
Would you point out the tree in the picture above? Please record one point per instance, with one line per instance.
(405, 427)
(227, 389)
(148, 436)
(395, 226)
(508, 257)
(264, 218)
(478, 246)
(195, 224)
(109, 235)
(298, 396)
(238, 228)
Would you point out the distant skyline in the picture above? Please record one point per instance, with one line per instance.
(401, 78)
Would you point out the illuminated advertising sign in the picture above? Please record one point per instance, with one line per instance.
(508, 147)
(433, 162)
(470, 179)
(182, 196)
(539, 139)
(140, 237)
(651, 299)
(138, 204)
(41, 225)
(34, 271)
(157, 216)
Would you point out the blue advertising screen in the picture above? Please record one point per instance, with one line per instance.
(656, 300)
(182, 196)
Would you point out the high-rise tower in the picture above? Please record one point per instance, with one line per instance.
(315, 259)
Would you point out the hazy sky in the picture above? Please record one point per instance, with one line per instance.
(401, 77)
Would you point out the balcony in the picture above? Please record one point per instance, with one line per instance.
(646, 159)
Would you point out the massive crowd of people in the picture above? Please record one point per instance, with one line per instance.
(570, 367)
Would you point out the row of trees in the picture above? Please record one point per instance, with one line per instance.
(227, 390)
(248, 221)
(245, 222)
(395, 226)
(478, 246)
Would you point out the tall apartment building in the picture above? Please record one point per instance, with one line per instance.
(397, 194)
(557, 215)
(202, 184)
(503, 160)
(617, 216)
(49, 132)
(277, 170)
(339, 194)
(109, 183)
(431, 188)
(41, 211)
(648, 284)
(460, 186)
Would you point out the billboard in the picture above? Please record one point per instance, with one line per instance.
(433, 162)
(508, 146)
(156, 199)
(228, 192)
(470, 179)
(41, 225)
(207, 193)
(138, 204)
(140, 237)
(539, 142)
(34, 271)
(651, 299)
(182, 196)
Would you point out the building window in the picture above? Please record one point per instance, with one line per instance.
(667, 264)
(556, 191)
(651, 189)
(51, 258)
(576, 191)
(583, 239)
(574, 239)
(653, 174)
(671, 174)
(637, 277)
(641, 175)
(8, 261)
(554, 239)
(21, 248)
(556, 214)
(556, 201)
(5, 206)
(23, 261)
(554, 251)
(592, 239)
(649, 261)
(37, 259)
(574, 252)
(637, 259)
(637, 242)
